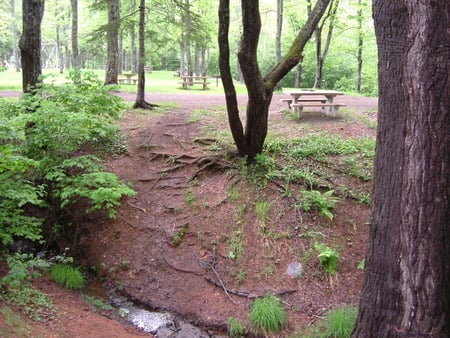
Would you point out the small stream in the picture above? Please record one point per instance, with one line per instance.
(158, 323)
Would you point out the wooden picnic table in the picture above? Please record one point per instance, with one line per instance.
(301, 98)
(192, 80)
(129, 78)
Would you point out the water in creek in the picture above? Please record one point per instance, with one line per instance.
(160, 324)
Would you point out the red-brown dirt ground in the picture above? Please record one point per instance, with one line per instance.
(169, 246)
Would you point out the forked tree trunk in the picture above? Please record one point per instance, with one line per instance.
(30, 43)
(260, 89)
(407, 290)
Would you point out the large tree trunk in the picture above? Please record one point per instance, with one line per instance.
(112, 68)
(30, 43)
(407, 290)
(259, 88)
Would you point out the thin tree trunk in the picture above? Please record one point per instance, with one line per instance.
(278, 35)
(407, 290)
(140, 98)
(30, 43)
(112, 68)
(134, 51)
(74, 34)
(360, 47)
(15, 37)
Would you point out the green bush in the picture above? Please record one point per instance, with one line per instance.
(267, 314)
(43, 141)
(67, 276)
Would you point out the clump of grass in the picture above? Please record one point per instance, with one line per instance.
(340, 322)
(267, 314)
(235, 328)
(67, 276)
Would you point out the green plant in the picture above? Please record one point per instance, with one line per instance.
(67, 276)
(234, 193)
(178, 237)
(236, 244)
(235, 328)
(328, 258)
(267, 314)
(98, 303)
(361, 265)
(241, 276)
(324, 202)
(340, 322)
(17, 283)
(189, 198)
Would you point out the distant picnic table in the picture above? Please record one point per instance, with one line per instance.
(304, 98)
(127, 78)
(193, 80)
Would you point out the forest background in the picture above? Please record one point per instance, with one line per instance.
(183, 35)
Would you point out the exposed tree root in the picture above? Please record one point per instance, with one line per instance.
(144, 105)
(247, 294)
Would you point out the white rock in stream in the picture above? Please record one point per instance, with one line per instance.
(150, 321)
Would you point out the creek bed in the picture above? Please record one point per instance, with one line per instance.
(161, 324)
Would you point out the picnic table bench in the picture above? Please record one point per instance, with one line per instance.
(192, 80)
(300, 99)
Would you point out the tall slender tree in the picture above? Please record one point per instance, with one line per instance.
(15, 36)
(30, 43)
(322, 48)
(112, 42)
(140, 97)
(74, 34)
(407, 290)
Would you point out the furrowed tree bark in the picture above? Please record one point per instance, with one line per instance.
(407, 290)
(30, 43)
(260, 89)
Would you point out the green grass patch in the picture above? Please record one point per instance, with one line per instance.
(67, 276)
(267, 315)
